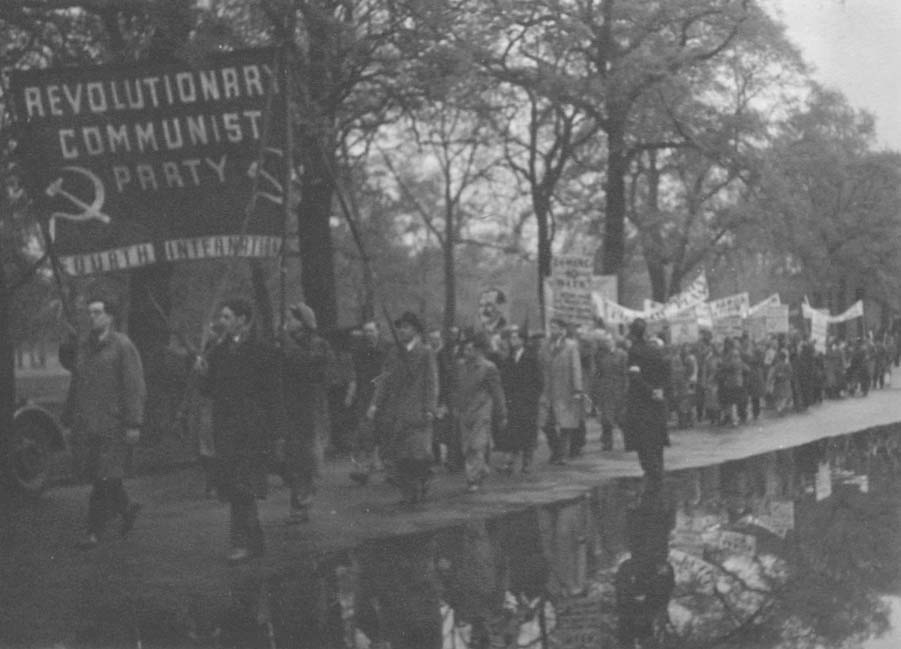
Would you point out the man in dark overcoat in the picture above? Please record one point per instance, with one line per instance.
(404, 407)
(306, 358)
(644, 421)
(522, 380)
(105, 408)
(241, 375)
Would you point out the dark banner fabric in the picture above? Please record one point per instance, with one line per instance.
(145, 163)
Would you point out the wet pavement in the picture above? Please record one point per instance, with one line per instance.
(785, 533)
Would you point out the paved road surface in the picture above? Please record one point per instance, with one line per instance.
(51, 593)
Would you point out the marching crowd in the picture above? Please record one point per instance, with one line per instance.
(467, 401)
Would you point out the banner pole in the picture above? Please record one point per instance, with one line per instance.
(288, 178)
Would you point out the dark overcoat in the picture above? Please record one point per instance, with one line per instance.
(522, 381)
(644, 420)
(306, 364)
(406, 402)
(244, 383)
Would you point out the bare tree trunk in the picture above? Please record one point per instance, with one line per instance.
(450, 277)
(615, 213)
(541, 204)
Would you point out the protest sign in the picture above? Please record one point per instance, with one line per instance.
(571, 288)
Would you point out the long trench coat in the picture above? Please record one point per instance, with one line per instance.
(406, 402)
(562, 369)
(106, 398)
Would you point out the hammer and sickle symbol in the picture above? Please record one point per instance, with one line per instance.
(89, 211)
(276, 191)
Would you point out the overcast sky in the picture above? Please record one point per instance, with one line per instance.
(855, 46)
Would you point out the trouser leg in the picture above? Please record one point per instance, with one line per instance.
(651, 460)
(97, 508)
(577, 439)
(246, 531)
(606, 432)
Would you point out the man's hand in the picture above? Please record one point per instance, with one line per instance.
(132, 435)
(370, 413)
(657, 394)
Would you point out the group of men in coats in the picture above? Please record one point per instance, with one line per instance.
(267, 397)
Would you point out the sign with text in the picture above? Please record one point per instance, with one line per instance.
(155, 162)
(572, 281)
(731, 326)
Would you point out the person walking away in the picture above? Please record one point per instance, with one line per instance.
(306, 360)
(242, 377)
(368, 361)
(561, 407)
(478, 403)
(521, 380)
(404, 406)
(105, 409)
(644, 422)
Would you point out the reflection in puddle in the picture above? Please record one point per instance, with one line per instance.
(798, 548)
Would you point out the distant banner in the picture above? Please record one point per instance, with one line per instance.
(731, 305)
(855, 311)
(773, 300)
(145, 163)
(694, 294)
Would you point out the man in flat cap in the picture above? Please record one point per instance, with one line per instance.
(404, 406)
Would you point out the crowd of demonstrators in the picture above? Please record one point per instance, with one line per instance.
(475, 400)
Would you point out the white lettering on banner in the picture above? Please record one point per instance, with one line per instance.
(151, 92)
(190, 172)
(737, 304)
(696, 293)
(109, 260)
(229, 245)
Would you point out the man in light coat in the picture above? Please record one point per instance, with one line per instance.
(106, 409)
(561, 405)
(478, 401)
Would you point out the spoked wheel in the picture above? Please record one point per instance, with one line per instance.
(28, 457)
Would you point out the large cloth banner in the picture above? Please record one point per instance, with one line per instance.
(695, 294)
(144, 163)
(855, 311)
(773, 300)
